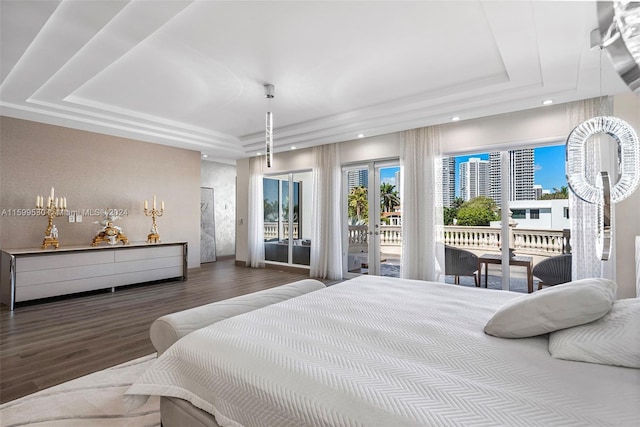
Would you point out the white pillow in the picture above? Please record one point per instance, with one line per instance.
(553, 308)
(611, 340)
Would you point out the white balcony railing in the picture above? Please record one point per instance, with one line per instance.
(526, 241)
(271, 230)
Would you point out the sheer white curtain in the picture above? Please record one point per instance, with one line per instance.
(422, 221)
(256, 213)
(583, 215)
(326, 232)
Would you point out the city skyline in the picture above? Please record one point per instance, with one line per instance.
(549, 168)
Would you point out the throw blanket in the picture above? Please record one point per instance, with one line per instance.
(377, 351)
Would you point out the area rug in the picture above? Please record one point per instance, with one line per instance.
(92, 400)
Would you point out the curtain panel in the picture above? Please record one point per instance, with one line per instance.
(584, 216)
(326, 231)
(255, 221)
(421, 195)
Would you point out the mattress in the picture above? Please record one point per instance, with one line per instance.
(379, 351)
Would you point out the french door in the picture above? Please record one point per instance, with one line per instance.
(372, 219)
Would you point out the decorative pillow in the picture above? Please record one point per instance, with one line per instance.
(550, 309)
(611, 340)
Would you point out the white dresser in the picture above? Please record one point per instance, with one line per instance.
(28, 274)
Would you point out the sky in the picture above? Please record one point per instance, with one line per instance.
(549, 168)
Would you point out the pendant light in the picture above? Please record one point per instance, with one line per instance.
(268, 137)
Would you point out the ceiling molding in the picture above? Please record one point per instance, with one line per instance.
(191, 74)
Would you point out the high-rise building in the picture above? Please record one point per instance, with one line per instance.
(537, 191)
(522, 172)
(398, 181)
(474, 178)
(448, 181)
(357, 178)
(521, 175)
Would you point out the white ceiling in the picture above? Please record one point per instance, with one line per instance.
(191, 73)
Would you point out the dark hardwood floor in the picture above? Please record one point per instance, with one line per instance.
(46, 343)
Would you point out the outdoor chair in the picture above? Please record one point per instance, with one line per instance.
(460, 262)
(553, 271)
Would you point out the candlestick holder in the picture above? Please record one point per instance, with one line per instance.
(153, 236)
(54, 207)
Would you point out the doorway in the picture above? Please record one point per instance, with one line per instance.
(373, 219)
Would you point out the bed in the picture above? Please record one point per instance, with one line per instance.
(379, 351)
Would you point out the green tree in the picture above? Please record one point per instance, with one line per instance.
(451, 213)
(358, 204)
(558, 193)
(389, 197)
(479, 211)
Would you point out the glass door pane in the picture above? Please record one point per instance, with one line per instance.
(301, 218)
(388, 232)
(276, 244)
(356, 184)
(538, 227)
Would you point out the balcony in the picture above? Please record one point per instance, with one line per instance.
(539, 244)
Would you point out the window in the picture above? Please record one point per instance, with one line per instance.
(565, 212)
(532, 184)
(519, 213)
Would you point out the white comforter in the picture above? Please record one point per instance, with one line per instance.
(375, 351)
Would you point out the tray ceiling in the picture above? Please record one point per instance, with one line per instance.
(191, 73)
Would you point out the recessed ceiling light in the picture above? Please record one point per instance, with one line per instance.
(455, 118)
(293, 147)
(259, 153)
(205, 156)
(547, 102)
(360, 135)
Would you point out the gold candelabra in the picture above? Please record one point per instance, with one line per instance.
(55, 207)
(153, 236)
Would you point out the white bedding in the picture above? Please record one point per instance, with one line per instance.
(377, 351)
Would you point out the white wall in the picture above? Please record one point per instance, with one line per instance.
(551, 214)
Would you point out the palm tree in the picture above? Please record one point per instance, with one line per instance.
(389, 197)
(558, 193)
(563, 192)
(358, 203)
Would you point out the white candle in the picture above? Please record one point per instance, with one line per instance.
(65, 203)
(49, 202)
(146, 205)
(154, 201)
(51, 193)
(37, 201)
(56, 204)
(162, 205)
(41, 201)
